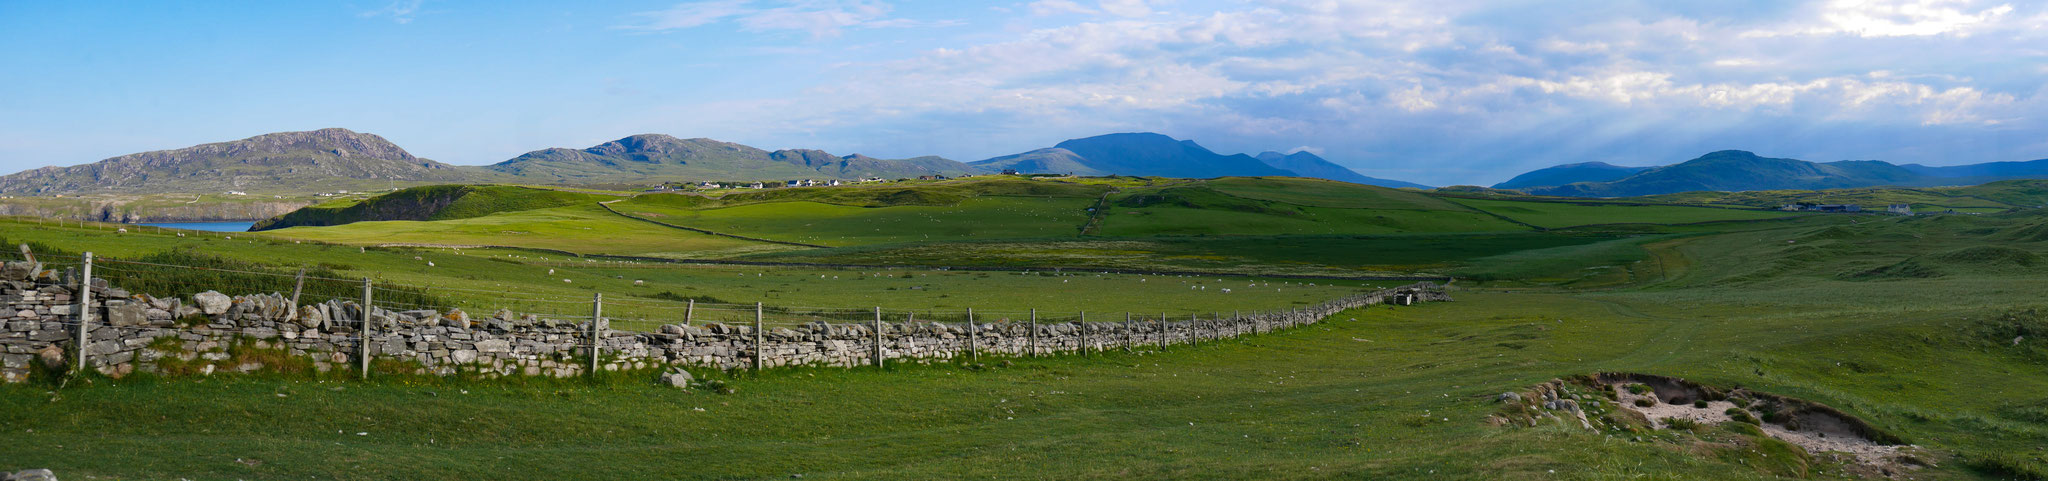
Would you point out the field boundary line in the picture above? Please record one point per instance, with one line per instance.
(608, 208)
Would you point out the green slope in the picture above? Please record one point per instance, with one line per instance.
(437, 202)
(966, 209)
(1568, 214)
(581, 228)
(1270, 205)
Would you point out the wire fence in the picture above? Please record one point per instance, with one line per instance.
(389, 322)
(182, 274)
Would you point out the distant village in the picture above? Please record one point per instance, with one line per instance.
(1900, 209)
(698, 186)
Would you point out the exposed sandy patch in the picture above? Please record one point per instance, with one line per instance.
(1818, 432)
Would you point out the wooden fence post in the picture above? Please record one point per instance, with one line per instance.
(363, 345)
(596, 329)
(690, 312)
(1034, 332)
(760, 340)
(1162, 334)
(1084, 333)
(84, 312)
(973, 337)
(1236, 324)
(878, 336)
(1129, 345)
(297, 287)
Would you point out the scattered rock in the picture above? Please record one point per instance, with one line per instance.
(678, 378)
(213, 303)
(53, 357)
(29, 475)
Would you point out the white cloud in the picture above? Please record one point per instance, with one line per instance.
(1894, 18)
(1126, 8)
(1404, 77)
(1057, 7)
(400, 11)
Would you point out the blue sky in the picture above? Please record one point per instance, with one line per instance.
(1433, 91)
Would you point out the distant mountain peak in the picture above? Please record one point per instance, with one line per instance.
(1308, 164)
(276, 159)
(1733, 170)
(1573, 173)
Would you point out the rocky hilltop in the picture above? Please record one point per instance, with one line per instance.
(280, 161)
(659, 157)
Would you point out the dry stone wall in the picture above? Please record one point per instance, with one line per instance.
(213, 332)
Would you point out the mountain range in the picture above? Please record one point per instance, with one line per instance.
(330, 159)
(661, 157)
(1735, 170)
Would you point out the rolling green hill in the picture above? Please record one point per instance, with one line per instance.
(907, 218)
(1555, 215)
(438, 202)
(964, 209)
(1285, 205)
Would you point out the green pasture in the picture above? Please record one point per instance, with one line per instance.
(1401, 254)
(844, 225)
(1375, 393)
(1568, 214)
(645, 294)
(1931, 328)
(582, 229)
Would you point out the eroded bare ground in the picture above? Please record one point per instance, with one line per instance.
(1637, 404)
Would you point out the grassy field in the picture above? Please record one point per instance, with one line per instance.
(1398, 393)
(646, 293)
(982, 209)
(582, 229)
(1409, 254)
(1931, 328)
(1569, 214)
(1261, 206)
(845, 225)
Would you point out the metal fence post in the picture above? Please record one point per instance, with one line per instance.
(973, 337)
(596, 329)
(878, 336)
(1034, 333)
(84, 311)
(363, 345)
(760, 340)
